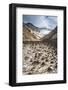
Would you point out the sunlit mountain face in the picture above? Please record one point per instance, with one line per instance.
(45, 23)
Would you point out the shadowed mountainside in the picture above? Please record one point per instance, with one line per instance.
(51, 36)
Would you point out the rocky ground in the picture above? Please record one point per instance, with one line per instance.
(39, 58)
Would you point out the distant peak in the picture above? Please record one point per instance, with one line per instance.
(29, 24)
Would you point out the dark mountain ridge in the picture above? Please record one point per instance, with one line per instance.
(37, 29)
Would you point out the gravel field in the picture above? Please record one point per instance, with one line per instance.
(39, 58)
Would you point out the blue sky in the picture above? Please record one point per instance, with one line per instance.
(49, 22)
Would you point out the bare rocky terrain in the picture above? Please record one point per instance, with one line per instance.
(40, 53)
(39, 58)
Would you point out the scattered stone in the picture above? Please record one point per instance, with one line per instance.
(49, 69)
(35, 62)
(26, 57)
(43, 63)
(39, 58)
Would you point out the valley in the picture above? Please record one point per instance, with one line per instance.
(39, 50)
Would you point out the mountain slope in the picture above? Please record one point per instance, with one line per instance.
(51, 36)
(28, 34)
